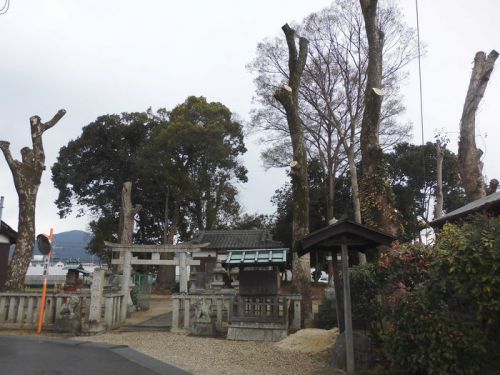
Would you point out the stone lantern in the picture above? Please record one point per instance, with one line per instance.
(235, 277)
(218, 276)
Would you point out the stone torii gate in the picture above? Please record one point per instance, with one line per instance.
(127, 261)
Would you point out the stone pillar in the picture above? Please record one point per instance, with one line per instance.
(175, 314)
(127, 270)
(96, 295)
(296, 315)
(187, 313)
(183, 276)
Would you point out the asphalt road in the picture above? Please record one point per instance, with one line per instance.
(25, 355)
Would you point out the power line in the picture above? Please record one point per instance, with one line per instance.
(421, 110)
(5, 7)
(420, 75)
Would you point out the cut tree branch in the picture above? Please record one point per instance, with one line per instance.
(469, 156)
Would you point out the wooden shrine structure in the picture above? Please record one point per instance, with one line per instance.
(258, 311)
(345, 236)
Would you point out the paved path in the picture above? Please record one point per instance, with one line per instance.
(28, 355)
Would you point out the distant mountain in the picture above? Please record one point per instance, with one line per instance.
(70, 245)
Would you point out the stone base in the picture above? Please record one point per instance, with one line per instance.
(246, 331)
(93, 328)
(203, 329)
(363, 358)
(68, 325)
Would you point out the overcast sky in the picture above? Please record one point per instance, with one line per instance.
(110, 56)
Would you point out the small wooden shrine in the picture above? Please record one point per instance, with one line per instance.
(258, 311)
(73, 279)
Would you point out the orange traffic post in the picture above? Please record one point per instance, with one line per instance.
(46, 265)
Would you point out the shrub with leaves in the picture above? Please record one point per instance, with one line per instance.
(424, 338)
(468, 258)
(364, 291)
(402, 267)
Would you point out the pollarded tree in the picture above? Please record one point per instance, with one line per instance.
(331, 92)
(377, 205)
(27, 175)
(469, 155)
(288, 97)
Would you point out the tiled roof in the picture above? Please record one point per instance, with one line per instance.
(236, 239)
(8, 231)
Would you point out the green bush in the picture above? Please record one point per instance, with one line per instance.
(441, 305)
(364, 302)
(468, 258)
(424, 338)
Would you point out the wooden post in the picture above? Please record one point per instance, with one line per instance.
(337, 285)
(347, 308)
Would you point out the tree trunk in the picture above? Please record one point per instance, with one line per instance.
(27, 175)
(354, 184)
(127, 215)
(469, 156)
(166, 274)
(355, 193)
(376, 204)
(438, 209)
(288, 97)
(331, 195)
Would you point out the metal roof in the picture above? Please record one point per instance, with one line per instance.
(257, 256)
(489, 202)
(226, 240)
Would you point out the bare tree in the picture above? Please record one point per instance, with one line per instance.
(469, 156)
(288, 96)
(27, 175)
(331, 93)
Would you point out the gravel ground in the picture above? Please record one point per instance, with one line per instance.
(218, 356)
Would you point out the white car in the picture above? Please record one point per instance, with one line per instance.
(322, 279)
